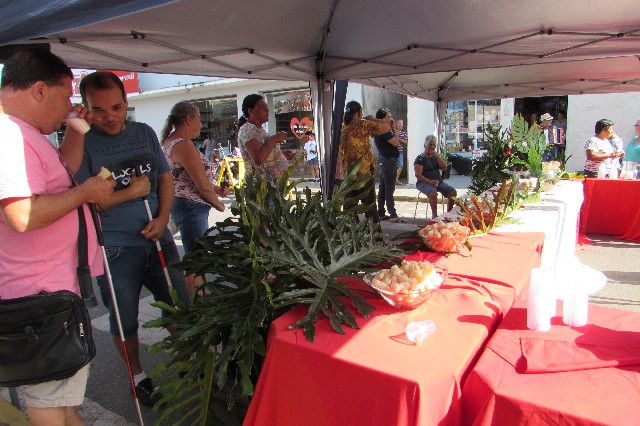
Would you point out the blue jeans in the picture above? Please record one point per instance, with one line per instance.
(134, 267)
(192, 219)
(387, 167)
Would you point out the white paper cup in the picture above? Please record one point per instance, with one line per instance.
(79, 124)
(418, 331)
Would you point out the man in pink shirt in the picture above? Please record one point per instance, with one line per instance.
(39, 223)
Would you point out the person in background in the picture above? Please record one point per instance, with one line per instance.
(632, 151)
(261, 152)
(533, 118)
(546, 125)
(38, 202)
(193, 178)
(599, 150)
(132, 153)
(561, 121)
(207, 146)
(355, 145)
(387, 144)
(403, 138)
(311, 148)
(428, 167)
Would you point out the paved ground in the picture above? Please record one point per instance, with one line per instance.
(109, 401)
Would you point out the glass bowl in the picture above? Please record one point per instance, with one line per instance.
(408, 299)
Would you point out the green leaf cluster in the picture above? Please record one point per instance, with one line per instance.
(282, 248)
(517, 148)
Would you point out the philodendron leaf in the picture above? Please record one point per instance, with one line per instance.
(283, 247)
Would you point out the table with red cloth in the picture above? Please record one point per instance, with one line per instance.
(611, 206)
(374, 375)
(571, 376)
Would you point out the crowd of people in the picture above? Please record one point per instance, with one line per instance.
(153, 180)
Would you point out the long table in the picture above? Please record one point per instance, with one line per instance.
(373, 375)
(572, 376)
(611, 206)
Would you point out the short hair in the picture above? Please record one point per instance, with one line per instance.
(602, 125)
(430, 138)
(100, 80)
(309, 132)
(350, 110)
(26, 67)
(383, 112)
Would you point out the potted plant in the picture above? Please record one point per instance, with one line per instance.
(256, 265)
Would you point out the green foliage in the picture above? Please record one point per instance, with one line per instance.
(515, 149)
(307, 244)
(443, 152)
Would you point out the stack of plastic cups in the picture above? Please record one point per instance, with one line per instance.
(541, 300)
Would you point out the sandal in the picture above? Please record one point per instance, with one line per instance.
(383, 217)
(397, 219)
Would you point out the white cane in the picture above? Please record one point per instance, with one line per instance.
(116, 310)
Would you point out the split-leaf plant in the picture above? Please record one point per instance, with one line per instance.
(517, 148)
(276, 252)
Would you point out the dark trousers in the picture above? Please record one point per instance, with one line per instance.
(387, 168)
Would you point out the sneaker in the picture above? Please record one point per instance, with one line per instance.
(145, 391)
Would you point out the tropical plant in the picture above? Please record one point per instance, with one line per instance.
(275, 253)
(481, 214)
(515, 149)
(443, 152)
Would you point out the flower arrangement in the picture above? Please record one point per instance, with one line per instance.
(481, 214)
(516, 149)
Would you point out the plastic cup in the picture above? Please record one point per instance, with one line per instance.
(418, 331)
(79, 124)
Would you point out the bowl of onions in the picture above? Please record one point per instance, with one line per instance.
(408, 285)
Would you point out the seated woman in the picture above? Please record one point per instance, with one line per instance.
(428, 167)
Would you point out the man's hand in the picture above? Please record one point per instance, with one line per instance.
(155, 229)
(98, 189)
(140, 186)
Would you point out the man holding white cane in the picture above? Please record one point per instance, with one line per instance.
(129, 236)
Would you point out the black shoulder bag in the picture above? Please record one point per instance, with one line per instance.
(47, 336)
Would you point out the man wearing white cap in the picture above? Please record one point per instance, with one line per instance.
(546, 121)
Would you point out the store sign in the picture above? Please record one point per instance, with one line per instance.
(300, 127)
(477, 153)
(129, 80)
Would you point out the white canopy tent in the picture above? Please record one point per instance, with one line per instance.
(437, 50)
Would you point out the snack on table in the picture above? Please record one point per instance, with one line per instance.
(446, 237)
(105, 174)
(409, 284)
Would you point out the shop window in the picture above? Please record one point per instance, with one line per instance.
(219, 120)
(294, 115)
(466, 123)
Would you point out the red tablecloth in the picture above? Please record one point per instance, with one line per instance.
(611, 206)
(570, 376)
(374, 376)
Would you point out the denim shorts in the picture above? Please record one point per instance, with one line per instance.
(134, 267)
(192, 219)
(400, 161)
(443, 187)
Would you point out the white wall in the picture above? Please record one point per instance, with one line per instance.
(420, 124)
(153, 108)
(583, 112)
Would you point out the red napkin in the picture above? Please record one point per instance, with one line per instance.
(549, 356)
(611, 339)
